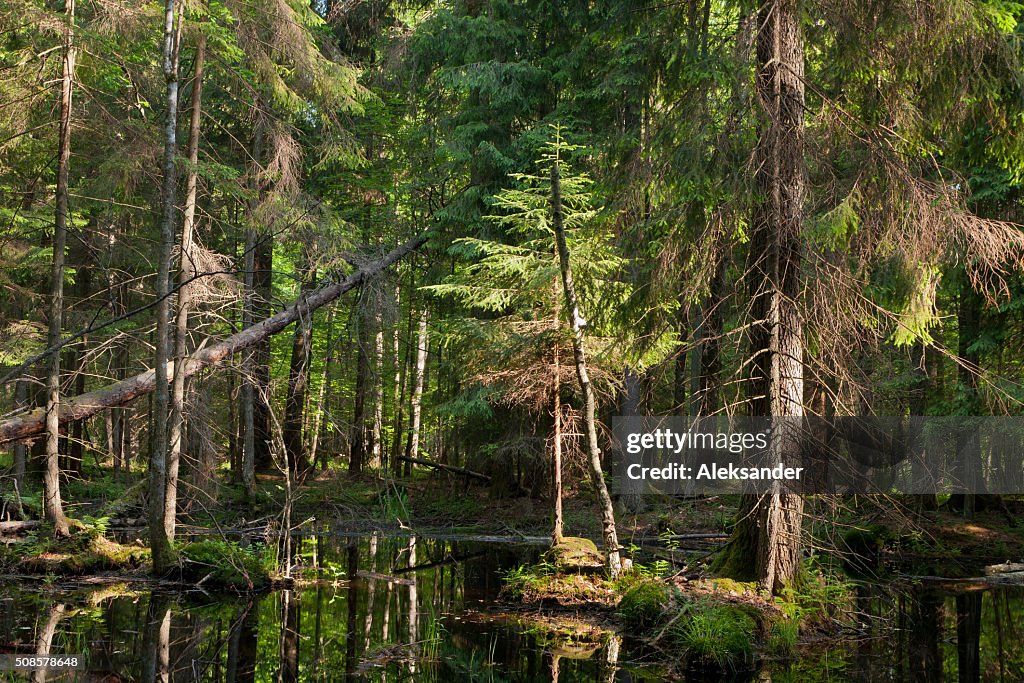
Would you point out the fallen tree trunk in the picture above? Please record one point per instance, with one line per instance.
(31, 424)
(446, 468)
(18, 527)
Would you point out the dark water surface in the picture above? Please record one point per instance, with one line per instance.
(421, 609)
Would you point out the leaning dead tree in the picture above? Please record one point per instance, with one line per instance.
(31, 424)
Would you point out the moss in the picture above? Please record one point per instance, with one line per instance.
(85, 551)
(576, 555)
(226, 564)
(644, 605)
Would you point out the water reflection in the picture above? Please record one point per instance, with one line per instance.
(391, 609)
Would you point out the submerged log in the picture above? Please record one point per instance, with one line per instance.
(31, 424)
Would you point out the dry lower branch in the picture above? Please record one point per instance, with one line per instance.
(31, 424)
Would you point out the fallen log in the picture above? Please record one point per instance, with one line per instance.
(32, 423)
(446, 468)
(18, 527)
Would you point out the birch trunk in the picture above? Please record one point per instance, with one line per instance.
(413, 447)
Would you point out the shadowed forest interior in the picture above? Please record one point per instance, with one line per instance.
(315, 319)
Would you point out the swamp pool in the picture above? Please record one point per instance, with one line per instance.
(412, 608)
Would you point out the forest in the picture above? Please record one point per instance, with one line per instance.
(320, 324)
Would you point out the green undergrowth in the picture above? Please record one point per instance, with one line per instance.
(710, 631)
(723, 624)
(225, 564)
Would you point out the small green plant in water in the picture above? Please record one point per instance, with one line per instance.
(718, 635)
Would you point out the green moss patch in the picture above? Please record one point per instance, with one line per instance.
(84, 552)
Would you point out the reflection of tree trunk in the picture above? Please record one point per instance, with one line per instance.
(45, 639)
(370, 590)
(289, 653)
(412, 634)
(611, 657)
(156, 641)
(924, 656)
(248, 645)
(234, 644)
(968, 636)
(352, 605)
(554, 665)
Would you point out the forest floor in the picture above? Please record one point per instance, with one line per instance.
(860, 534)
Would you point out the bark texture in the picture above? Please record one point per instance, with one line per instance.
(767, 536)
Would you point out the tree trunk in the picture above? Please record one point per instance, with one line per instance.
(53, 509)
(159, 538)
(611, 540)
(262, 284)
(968, 460)
(187, 271)
(21, 403)
(298, 383)
(401, 375)
(248, 372)
(357, 452)
(767, 535)
(44, 642)
(556, 412)
(378, 391)
(324, 395)
(631, 498)
(412, 449)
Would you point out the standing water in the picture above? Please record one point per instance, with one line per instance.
(387, 608)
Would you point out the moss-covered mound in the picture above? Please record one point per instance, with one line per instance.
(83, 552)
(576, 555)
